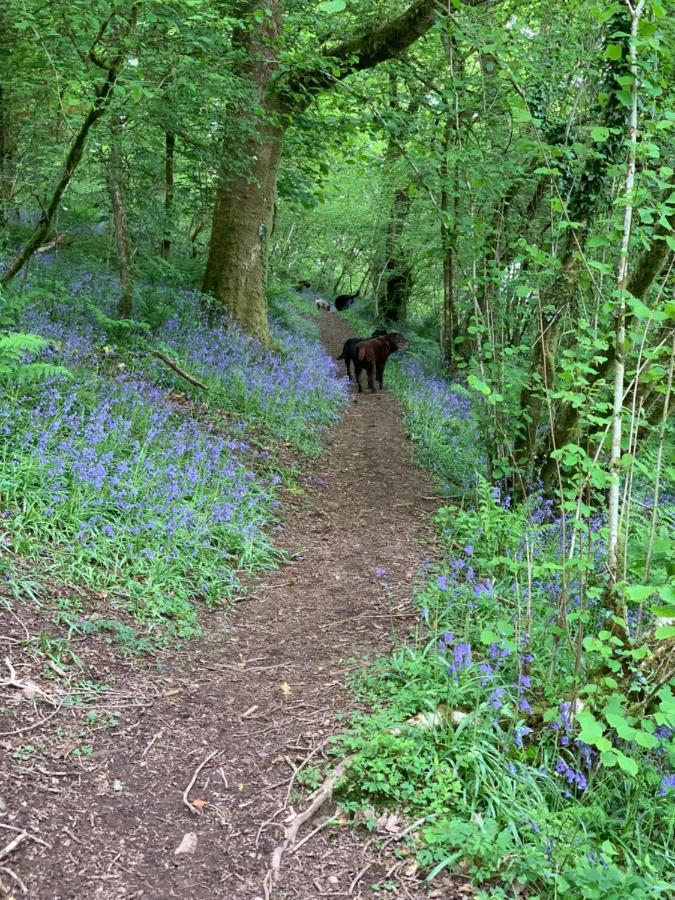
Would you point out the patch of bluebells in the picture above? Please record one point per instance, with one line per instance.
(440, 416)
(110, 465)
(572, 776)
(296, 392)
(167, 509)
(667, 784)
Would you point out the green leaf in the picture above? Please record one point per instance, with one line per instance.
(599, 133)
(638, 592)
(332, 6)
(664, 632)
(626, 763)
(614, 51)
(487, 636)
(478, 385)
(592, 731)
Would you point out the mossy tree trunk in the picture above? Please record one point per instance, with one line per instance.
(118, 203)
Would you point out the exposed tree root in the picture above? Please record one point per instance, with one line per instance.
(317, 799)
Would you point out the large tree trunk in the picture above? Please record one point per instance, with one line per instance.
(243, 216)
(396, 283)
(118, 201)
(236, 268)
(170, 146)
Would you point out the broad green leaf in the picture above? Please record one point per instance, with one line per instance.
(638, 592)
(332, 6)
(599, 133)
(664, 632)
(592, 731)
(626, 763)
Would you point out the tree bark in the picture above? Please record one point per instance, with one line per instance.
(448, 205)
(243, 216)
(7, 149)
(542, 371)
(118, 201)
(170, 146)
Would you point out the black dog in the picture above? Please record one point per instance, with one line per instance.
(342, 301)
(349, 350)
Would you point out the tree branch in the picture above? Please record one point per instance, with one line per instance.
(360, 53)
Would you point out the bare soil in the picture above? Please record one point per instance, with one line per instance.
(94, 767)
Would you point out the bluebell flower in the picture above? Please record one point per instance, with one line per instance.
(518, 735)
(667, 783)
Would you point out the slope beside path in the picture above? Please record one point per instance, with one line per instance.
(234, 713)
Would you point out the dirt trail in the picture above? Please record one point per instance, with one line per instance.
(261, 690)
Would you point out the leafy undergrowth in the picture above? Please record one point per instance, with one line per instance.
(536, 751)
(118, 475)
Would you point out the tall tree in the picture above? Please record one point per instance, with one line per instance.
(244, 208)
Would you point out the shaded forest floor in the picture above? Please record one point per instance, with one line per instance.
(259, 695)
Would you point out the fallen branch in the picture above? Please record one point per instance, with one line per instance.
(177, 369)
(12, 874)
(59, 240)
(317, 799)
(13, 844)
(193, 809)
(27, 687)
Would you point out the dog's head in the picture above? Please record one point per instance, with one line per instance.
(398, 340)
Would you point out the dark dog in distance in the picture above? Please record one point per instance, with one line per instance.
(322, 304)
(349, 350)
(342, 301)
(373, 354)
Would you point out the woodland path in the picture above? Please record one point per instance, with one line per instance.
(262, 688)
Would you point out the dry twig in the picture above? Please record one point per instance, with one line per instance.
(13, 844)
(193, 809)
(317, 799)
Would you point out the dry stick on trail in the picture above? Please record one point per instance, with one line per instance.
(186, 792)
(320, 796)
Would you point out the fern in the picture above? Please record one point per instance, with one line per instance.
(120, 330)
(14, 348)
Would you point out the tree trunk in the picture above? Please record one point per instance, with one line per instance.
(236, 268)
(7, 149)
(396, 284)
(650, 265)
(614, 501)
(8, 136)
(170, 145)
(448, 204)
(118, 201)
(542, 371)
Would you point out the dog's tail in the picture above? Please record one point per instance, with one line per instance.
(341, 356)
